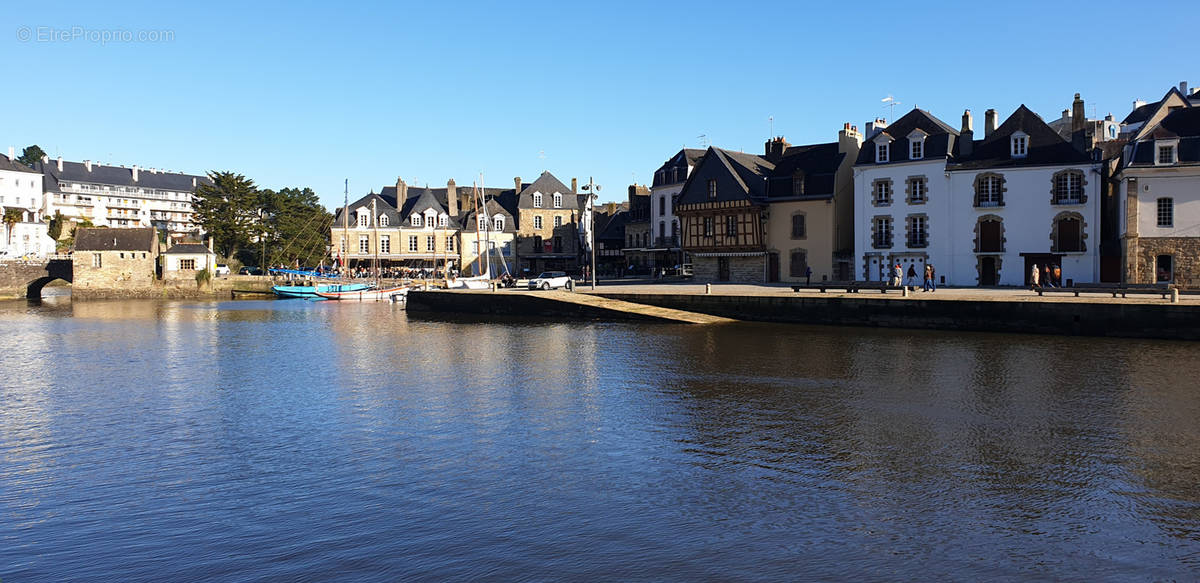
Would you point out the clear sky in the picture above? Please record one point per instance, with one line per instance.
(310, 94)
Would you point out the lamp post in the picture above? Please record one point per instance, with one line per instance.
(593, 191)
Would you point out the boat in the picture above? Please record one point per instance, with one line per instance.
(311, 291)
(391, 294)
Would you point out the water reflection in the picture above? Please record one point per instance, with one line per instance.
(185, 440)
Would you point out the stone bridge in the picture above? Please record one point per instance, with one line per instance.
(26, 279)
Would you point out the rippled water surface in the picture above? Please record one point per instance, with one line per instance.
(302, 441)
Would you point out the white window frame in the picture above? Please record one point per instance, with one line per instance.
(430, 244)
(537, 200)
(498, 223)
(1172, 145)
(1018, 145)
(557, 200)
(415, 220)
(537, 222)
(412, 244)
(383, 220)
(443, 220)
(364, 244)
(363, 219)
(1169, 207)
(558, 222)
(883, 149)
(916, 145)
(385, 244)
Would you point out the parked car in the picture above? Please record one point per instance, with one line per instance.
(222, 269)
(250, 270)
(549, 280)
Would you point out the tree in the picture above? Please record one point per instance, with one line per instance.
(12, 216)
(56, 226)
(227, 210)
(31, 155)
(294, 226)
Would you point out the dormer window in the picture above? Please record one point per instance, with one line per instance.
(483, 222)
(557, 200)
(415, 220)
(537, 200)
(1165, 152)
(1020, 145)
(712, 188)
(916, 145)
(881, 152)
(383, 220)
(498, 223)
(798, 183)
(363, 219)
(430, 218)
(442, 220)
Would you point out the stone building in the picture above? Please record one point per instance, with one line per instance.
(114, 259)
(636, 250)
(548, 216)
(1159, 190)
(722, 208)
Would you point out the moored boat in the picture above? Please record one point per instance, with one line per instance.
(311, 291)
(369, 295)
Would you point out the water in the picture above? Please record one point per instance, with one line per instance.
(303, 441)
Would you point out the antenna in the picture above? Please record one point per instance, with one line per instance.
(770, 126)
(703, 140)
(541, 154)
(890, 102)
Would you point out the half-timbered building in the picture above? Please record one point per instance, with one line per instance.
(722, 207)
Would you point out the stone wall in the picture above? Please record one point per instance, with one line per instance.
(741, 269)
(1165, 320)
(1185, 252)
(131, 272)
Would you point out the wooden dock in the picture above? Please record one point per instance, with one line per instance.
(549, 304)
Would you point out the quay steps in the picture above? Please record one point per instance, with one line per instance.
(519, 302)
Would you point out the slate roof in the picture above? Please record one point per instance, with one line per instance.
(613, 228)
(1182, 124)
(547, 184)
(680, 162)
(939, 142)
(382, 207)
(818, 163)
(182, 248)
(1045, 146)
(117, 176)
(13, 165)
(493, 207)
(1147, 112)
(101, 239)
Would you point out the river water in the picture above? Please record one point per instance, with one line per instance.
(306, 441)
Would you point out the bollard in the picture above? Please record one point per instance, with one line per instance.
(1175, 295)
(707, 288)
(493, 287)
(904, 292)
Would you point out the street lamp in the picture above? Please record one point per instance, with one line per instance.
(593, 191)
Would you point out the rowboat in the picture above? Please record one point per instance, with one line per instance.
(311, 291)
(369, 295)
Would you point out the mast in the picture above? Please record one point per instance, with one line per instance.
(345, 228)
(375, 223)
(478, 225)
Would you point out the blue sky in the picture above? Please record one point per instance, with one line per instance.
(310, 94)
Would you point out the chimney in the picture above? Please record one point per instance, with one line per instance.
(574, 185)
(45, 159)
(989, 122)
(775, 148)
(1138, 103)
(966, 135)
(452, 199)
(1078, 117)
(210, 239)
(60, 164)
(193, 182)
(849, 141)
(874, 127)
(88, 165)
(135, 173)
(12, 153)
(1183, 88)
(517, 184)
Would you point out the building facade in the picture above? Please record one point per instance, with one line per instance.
(722, 208)
(21, 198)
(664, 248)
(1159, 190)
(121, 197)
(107, 259)
(547, 226)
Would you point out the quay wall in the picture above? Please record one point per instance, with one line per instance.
(511, 304)
(1167, 321)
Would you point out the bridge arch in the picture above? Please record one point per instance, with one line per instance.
(62, 269)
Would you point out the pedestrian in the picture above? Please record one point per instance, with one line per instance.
(1033, 276)
(932, 278)
(1057, 275)
(928, 278)
(807, 276)
(897, 275)
(912, 275)
(1046, 281)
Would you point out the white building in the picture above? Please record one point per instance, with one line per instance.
(664, 248)
(21, 189)
(983, 212)
(116, 196)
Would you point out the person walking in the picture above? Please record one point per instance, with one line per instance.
(1033, 277)
(912, 275)
(807, 276)
(1046, 281)
(897, 275)
(928, 278)
(1057, 275)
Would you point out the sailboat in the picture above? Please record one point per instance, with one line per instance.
(311, 291)
(484, 255)
(373, 293)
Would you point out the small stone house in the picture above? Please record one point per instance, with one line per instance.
(184, 260)
(114, 259)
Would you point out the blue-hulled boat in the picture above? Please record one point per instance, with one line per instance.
(310, 291)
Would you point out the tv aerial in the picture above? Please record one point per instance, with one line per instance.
(890, 103)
